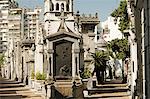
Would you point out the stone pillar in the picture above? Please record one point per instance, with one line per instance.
(50, 52)
(17, 58)
(75, 61)
(76, 51)
(50, 61)
(75, 67)
(11, 66)
(48, 91)
(73, 64)
(8, 70)
(71, 6)
(25, 66)
(38, 58)
(48, 66)
(95, 32)
(54, 7)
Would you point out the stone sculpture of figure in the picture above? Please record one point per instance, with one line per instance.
(64, 70)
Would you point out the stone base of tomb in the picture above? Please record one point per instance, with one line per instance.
(64, 87)
(68, 88)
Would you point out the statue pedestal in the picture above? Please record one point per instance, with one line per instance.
(77, 79)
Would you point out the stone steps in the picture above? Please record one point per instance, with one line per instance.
(12, 85)
(112, 85)
(5, 83)
(106, 90)
(14, 90)
(109, 95)
(109, 91)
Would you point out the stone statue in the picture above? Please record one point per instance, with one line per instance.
(64, 70)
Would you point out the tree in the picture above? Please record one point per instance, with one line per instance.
(100, 58)
(122, 14)
(119, 47)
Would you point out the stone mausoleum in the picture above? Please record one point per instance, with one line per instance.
(69, 39)
(61, 47)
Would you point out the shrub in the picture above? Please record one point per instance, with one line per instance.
(86, 73)
(32, 75)
(40, 76)
(43, 76)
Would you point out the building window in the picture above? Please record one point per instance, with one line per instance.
(62, 7)
(52, 7)
(57, 6)
(91, 28)
(67, 7)
(97, 37)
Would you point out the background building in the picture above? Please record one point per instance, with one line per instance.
(15, 23)
(30, 21)
(22, 25)
(5, 5)
(110, 29)
(140, 9)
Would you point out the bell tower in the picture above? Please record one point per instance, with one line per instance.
(56, 5)
(53, 9)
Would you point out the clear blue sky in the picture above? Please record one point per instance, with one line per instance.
(103, 7)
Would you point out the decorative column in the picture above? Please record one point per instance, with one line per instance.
(71, 6)
(76, 64)
(95, 32)
(76, 51)
(50, 52)
(50, 61)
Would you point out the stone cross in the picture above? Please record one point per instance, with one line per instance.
(62, 17)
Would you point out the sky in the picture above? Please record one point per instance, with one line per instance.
(102, 7)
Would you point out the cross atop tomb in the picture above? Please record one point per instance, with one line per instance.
(62, 17)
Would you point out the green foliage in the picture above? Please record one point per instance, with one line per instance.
(2, 60)
(119, 47)
(32, 75)
(121, 13)
(100, 58)
(121, 10)
(86, 73)
(40, 76)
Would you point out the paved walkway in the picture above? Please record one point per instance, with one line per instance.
(14, 90)
(113, 89)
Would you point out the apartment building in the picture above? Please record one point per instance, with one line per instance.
(23, 25)
(5, 5)
(110, 29)
(30, 21)
(15, 20)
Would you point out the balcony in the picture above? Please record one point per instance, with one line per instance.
(4, 30)
(14, 18)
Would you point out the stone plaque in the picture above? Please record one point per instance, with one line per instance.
(63, 59)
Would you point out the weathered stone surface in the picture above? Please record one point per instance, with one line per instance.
(63, 58)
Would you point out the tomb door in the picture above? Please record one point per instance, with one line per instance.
(62, 59)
